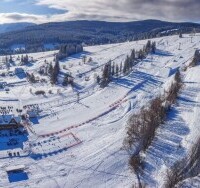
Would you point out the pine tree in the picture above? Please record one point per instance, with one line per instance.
(148, 47)
(98, 79)
(153, 48)
(117, 70)
(26, 59)
(22, 59)
(65, 81)
(141, 54)
(113, 69)
(57, 68)
(105, 74)
(127, 65)
(50, 71)
(132, 57)
(196, 58)
(109, 69)
(31, 78)
(10, 59)
(55, 73)
(120, 69)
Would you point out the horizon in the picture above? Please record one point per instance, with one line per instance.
(99, 21)
(45, 11)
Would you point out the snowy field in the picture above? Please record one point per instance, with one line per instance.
(80, 144)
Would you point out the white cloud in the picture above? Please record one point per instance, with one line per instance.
(126, 10)
(112, 10)
(18, 17)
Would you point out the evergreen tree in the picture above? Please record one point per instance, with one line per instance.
(31, 78)
(65, 81)
(141, 54)
(120, 68)
(50, 71)
(26, 59)
(113, 69)
(6, 59)
(117, 70)
(98, 79)
(196, 58)
(11, 59)
(153, 48)
(55, 73)
(68, 49)
(148, 47)
(109, 69)
(22, 59)
(127, 65)
(132, 57)
(107, 72)
(124, 68)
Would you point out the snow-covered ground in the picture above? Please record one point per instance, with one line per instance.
(79, 144)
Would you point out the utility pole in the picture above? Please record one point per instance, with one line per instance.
(78, 97)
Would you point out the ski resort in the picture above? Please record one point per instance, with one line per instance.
(75, 129)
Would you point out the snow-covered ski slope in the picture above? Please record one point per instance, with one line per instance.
(80, 144)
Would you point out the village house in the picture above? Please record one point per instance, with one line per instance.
(10, 122)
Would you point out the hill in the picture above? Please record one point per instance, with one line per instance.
(51, 35)
(76, 137)
(4, 28)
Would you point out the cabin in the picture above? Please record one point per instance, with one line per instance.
(10, 122)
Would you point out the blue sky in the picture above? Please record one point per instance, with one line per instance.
(27, 6)
(41, 11)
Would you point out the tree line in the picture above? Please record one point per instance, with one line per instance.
(91, 33)
(111, 69)
(68, 50)
(141, 127)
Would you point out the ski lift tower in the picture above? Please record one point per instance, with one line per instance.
(179, 46)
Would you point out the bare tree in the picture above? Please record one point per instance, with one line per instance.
(142, 127)
(188, 167)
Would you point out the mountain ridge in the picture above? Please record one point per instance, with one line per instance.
(9, 27)
(35, 37)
